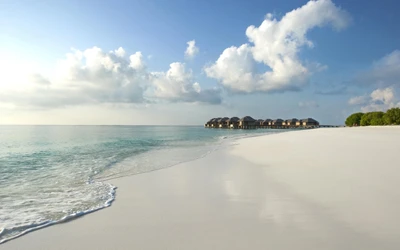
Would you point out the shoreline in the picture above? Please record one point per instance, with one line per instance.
(221, 143)
(240, 197)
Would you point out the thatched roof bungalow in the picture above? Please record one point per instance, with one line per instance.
(291, 122)
(233, 122)
(247, 122)
(277, 122)
(214, 122)
(266, 122)
(309, 122)
(258, 123)
(222, 122)
(209, 122)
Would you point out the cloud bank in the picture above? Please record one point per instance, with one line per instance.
(378, 100)
(383, 76)
(96, 76)
(276, 44)
(177, 85)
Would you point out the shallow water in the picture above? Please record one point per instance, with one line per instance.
(50, 174)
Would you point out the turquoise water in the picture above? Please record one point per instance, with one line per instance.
(50, 174)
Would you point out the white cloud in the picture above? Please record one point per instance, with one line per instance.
(95, 76)
(308, 104)
(385, 96)
(191, 50)
(136, 61)
(89, 76)
(120, 52)
(177, 84)
(384, 75)
(276, 44)
(378, 100)
(235, 68)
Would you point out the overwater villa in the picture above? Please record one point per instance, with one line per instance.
(214, 123)
(266, 123)
(208, 124)
(233, 122)
(248, 122)
(259, 123)
(277, 123)
(291, 122)
(309, 122)
(222, 122)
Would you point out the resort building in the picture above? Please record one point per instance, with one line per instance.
(277, 123)
(247, 122)
(214, 122)
(309, 122)
(266, 123)
(233, 122)
(291, 122)
(208, 124)
(222, 122)
(259, 123)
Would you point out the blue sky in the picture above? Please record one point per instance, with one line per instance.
(352, 64)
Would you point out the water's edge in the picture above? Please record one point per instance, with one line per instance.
(223, 142)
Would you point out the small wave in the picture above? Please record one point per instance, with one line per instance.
(33, 227)
(129, 172)
(118, 158)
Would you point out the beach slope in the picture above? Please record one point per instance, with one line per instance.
(312, 189)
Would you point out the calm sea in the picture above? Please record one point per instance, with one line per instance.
(49, 174)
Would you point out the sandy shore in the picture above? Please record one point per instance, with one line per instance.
(314, 189)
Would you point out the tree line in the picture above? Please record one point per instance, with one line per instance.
(377, 118)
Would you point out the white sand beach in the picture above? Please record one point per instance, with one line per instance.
(333, 188)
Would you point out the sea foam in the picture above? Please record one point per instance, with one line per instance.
(52, 174)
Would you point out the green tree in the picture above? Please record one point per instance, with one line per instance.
(392, 116)
(372, 118)
(354, 119)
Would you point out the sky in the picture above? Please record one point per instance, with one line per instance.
(183, 62)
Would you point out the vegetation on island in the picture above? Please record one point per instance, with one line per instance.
(377, 118)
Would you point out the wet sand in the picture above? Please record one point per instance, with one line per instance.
(313, 189)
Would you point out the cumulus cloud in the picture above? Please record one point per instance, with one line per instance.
(89, 76)
(308, 104)
(235, 68)
(136, 61)
(120, 52)
(177, 85)
(191, 50)
(378, 100)
(384, 72)
(276, 44)
(96, 76)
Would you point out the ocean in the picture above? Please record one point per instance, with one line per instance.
(51, 174)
